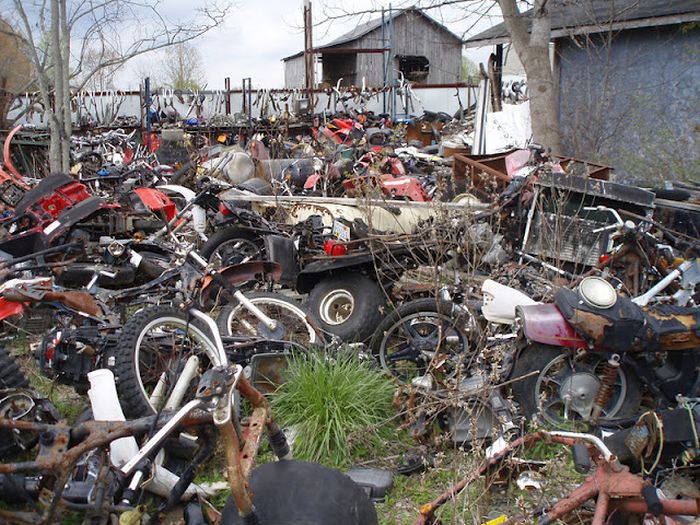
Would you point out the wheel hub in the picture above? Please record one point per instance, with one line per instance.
(337, 307)
(578, 392)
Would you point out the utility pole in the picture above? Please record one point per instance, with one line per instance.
(308, 52)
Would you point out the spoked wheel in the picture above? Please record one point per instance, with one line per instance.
(154, 349)
(296, 492)
(232, 246)
(564, 391)
(422, 337)
(294, 322)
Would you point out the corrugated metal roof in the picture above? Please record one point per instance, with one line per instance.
(594, 15)
(363, 29)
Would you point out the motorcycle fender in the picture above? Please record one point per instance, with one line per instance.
(10, 308)
(545, 324)
(156, 201)
(248, 271)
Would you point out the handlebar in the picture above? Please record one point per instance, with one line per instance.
(619, 223)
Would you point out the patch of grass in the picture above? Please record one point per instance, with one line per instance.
(334, 404)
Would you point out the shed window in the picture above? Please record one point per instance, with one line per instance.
(414, 68)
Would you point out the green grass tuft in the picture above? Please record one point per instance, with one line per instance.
(334, 405)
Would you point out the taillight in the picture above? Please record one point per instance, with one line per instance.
(223, 210)
(603, 258)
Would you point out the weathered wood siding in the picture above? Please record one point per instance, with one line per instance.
(294, 72)
(413, 35)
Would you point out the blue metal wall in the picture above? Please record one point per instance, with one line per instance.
(635, 103)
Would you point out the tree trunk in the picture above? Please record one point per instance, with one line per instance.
(532, 48)
(56, 145)
(65, 80)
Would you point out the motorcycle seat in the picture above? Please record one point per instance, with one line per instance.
(675, 327)
(627, 326)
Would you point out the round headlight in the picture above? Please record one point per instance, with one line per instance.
(597, 292)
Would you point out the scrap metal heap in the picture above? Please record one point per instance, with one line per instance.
(499, 291)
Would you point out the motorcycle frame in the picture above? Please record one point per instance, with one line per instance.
(62, 446)
(612, 485)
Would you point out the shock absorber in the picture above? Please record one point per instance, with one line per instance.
(607, 385)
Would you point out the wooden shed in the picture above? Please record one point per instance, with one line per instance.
(406, 40)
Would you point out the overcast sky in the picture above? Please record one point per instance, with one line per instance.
(259, 33)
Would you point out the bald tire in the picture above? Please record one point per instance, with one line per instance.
(367, 312)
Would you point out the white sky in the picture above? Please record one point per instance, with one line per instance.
(257, 34)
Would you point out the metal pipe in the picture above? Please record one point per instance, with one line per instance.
(596, 441)
(160, 436)
(182, 383)
(643, 300)
(248, 305)
(158, 391)
(221, 359)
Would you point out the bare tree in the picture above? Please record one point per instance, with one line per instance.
(182, 67)
(532, 47)
(103, 78)
(61, 34)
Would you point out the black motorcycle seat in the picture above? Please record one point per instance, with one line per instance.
(627, 326)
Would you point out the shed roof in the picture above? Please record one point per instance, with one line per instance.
(596, 16)
(369, 26)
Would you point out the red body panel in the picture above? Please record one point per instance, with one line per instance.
(156, 200)
(405, 188)
(64, 197)
(544, 323)
(10, 308)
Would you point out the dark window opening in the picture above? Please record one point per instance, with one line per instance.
(339, 66)
(414, 68)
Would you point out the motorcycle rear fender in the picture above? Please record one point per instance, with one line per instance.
(545, 324)
(311, 181)
(248, 271)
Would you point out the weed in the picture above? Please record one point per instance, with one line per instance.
(334, 405)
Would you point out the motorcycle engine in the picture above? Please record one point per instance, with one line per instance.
(68, 355)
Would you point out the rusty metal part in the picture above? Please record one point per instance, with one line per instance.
(77, 300)
(612, 484)
(236, 477)
(606, 388)
(60, 449)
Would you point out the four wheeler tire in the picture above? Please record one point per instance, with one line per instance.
(14, 405)
(294, 492)
(154, 346)
(347, 305)
(295, 322)
(563, 392)
(10, 374)
(406, 340)
(233, 246)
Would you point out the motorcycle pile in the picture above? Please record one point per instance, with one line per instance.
(166, 294)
